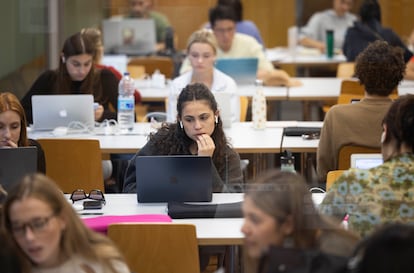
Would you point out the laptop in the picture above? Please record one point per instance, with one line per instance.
(15, 163)
(242, 70)
(224, 105)
(366, 161)
(51, 111)
(129, 36)
(169, 178)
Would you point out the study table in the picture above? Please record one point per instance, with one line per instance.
(209, 231)
(241, 135)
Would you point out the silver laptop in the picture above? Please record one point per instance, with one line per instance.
(168, 178)
(51, 111)
(242, 70)
(15, 163)
(129, 36)
(366, 161)
(224, 105)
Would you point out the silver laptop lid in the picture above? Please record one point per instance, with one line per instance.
(168, 178)
(15, 163)
(366, 161)
(130, 36)
(51, 111)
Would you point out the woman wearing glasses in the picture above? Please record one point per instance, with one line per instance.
(51, 235)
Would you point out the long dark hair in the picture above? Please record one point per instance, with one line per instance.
(78, 44)
(170, 139)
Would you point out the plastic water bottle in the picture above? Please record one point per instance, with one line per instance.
(287, 162)
(126, 103)
(259, 107)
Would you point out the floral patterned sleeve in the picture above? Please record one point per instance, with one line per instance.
(344, 195)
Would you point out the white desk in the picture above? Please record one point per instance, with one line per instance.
(301, 57)
(241, 135)
(209, 231)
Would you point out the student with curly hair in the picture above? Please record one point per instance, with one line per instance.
(380, 68)
(197, 131)
(384, 194)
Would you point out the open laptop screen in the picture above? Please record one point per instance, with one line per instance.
(366, 161)
(242, 70)
(168, 178)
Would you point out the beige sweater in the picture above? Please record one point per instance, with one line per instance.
(358, 123)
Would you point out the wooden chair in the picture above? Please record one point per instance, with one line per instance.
(164, 64)
(157, 247)
(74, 163)
(331, 177)
(344, 157)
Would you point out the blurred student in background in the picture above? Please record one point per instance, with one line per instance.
(237, 45)
(50, 234)
(95, 36)
(338, 19)
(369, 29)
(13, 128)
(77, 75)
(201, 51)
(143, 9)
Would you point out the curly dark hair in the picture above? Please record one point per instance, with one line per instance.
(400, 121)
(171, 139)
(380, 68)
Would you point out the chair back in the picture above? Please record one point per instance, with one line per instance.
(345, 70)
(344, 157)
(164, 64)
(352, 89)
(74, 163)
(157, 247)
(244, 104)
(331, 177)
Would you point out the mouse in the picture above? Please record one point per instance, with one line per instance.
(60, 131)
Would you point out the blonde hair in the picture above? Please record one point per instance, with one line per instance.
(94, 35)
(204, 36)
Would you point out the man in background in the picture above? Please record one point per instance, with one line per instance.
(337, 19)
(143, 9)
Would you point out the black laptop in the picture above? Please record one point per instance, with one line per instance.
(16, 163)
(173, 178)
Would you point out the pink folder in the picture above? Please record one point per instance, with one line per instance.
(101, 223)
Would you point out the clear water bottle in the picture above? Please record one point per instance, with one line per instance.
(259, 109)
(287, 162)
(126, 103)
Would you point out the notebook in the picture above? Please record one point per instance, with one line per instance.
(242, 70)
(15, 163)
(366, 161)
(173, 178)
(129, 36)
(224, 105)
(51, 111)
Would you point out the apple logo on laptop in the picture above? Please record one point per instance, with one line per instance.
(63, 113)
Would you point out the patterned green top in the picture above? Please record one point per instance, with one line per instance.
(375, 196)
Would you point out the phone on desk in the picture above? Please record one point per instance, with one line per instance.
(92, 204)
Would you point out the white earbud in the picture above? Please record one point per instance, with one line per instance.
(181, 124)
(216, 118)
(63, 59)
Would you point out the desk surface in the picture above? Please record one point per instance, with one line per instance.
(301, 57)
(241, 135)
(210, 231)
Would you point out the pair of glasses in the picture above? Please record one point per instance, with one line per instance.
(36, 225)
(93, 194)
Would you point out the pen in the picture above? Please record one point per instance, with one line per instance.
(91, 213)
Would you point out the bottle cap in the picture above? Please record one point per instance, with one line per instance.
(258, 82)
(126, 73)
